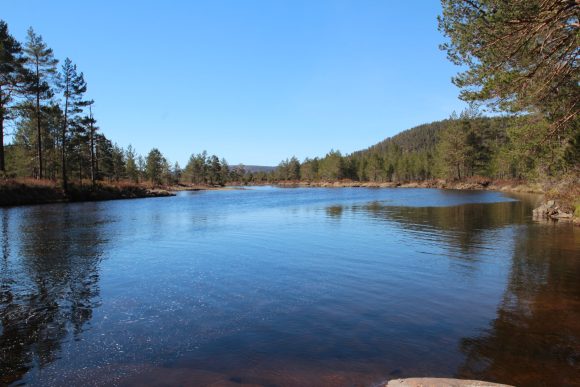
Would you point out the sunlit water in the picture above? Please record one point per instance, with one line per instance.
(288, 287)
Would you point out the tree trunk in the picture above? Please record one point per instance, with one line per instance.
(93, 177)
(64, 179)
(96, 160)
(2, 165)
(38, 127)
(39, 137)
(54, 167)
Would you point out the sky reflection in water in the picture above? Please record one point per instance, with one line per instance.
(289, 287)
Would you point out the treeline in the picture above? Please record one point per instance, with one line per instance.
(519, 58)
(460, 147)
(56, 136)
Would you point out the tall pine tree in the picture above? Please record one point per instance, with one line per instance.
(73, 87)
(11, 80)
(42, 65)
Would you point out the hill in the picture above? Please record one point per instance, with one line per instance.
(258, 168)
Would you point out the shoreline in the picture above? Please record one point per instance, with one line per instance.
(30, 192)
(26, 192)
(518, 187)
(22, 193)
(556, 204)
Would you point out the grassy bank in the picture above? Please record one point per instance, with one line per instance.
(16, 192)
(467, 184)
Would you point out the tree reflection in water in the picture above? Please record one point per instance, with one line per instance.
(535, 338)
(524, 274)
(49, 285)
(462, 230)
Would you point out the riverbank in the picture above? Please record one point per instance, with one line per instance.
(509, 186)
(28, 191)
(199, 187)
(20, 192)
(561, 198)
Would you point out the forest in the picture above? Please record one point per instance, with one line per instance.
(55, 135)
(520, 67)
(454, 149)
(521, 80)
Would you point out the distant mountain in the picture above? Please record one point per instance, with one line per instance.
(258, 168)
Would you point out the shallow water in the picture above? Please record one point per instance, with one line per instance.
(288, 287)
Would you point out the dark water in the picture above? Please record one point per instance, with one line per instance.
(288, 287)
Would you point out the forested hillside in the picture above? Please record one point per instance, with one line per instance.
(519, 58)
(455, 148)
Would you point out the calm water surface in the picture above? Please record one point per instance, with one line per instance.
(288, 287)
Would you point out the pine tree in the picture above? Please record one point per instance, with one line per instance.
(92, 129)
(154, 166)
(332, 166)
(118, 161)
(293, 169)
(73, 87)
(176, 173)
(224, 171)
(214, 170)
(12, 77)
(131, 165)
(453, 151)
(42, 66)
(521, 56)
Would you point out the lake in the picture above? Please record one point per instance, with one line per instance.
(289, 287)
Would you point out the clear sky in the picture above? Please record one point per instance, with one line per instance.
(254, 81)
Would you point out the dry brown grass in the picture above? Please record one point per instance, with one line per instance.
(23, 191)
(29, 191)
(476, 179)
(28, 181)
(125, 184)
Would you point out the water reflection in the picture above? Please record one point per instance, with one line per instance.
(467, 232)
(49, 284)
(290, 288)
(465, 223)
(5, 239)
(535, 338)
(334, 212)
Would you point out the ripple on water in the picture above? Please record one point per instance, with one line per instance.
(290, 287)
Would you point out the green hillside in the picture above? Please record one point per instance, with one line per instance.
(456, 148)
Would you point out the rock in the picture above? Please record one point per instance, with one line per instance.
(440, 382)
(541, 211)
(547, 209)
(562, 215)
(551, 210)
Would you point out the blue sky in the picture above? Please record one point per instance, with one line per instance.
(254, 81)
